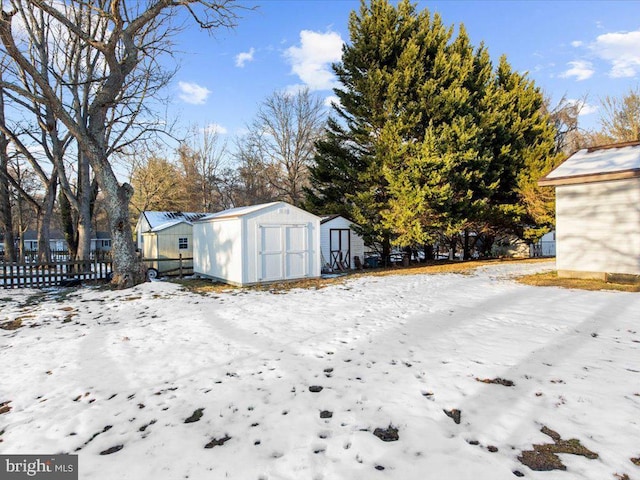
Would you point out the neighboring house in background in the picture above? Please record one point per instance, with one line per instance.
(598, 212)
(339, 244)
(545, 247)
(57, 242)
(100, 241)
(261, 243)
(164, 235)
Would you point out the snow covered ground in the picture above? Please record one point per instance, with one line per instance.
(94, 372)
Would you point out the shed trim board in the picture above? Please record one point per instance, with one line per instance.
(589, 178)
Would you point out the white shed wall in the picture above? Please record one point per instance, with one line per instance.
(357, 242)
(217, 249)
(598, 227)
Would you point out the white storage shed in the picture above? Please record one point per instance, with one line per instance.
(340, 244)
(598, 213)
(261, 243)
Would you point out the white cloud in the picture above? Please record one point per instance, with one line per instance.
(622, 50)
(585, 108)
(193, 93)
(312, 60)
(581, 69)
(588, 109)
(331, 99)
(243, 57)
(216, 128)
(577, 43)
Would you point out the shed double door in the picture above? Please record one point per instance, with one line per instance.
(283, 252)
(340, 248)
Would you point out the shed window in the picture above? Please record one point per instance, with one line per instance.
(183, 243)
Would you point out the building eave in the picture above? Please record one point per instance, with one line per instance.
(589, 178)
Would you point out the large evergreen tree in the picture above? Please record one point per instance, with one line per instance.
(428, 140)
(378, 71)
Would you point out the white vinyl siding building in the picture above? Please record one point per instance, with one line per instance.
(261, 243)
(598, 212)
(167, 241)
(339, 244)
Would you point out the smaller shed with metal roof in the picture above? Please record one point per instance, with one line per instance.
(257, 244)
(165, 235)
(598, 212)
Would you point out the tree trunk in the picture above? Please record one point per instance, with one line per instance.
(487, 244)
(467, 247)
(68, 225)
(21, 229)
(6, 220)
(428, 252)
(44, 219)
(127, 268)
(453, 243)
(386, 250)
(84, 214)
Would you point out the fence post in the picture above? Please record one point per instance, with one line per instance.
(180, 260)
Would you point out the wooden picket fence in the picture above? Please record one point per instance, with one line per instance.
(53, 274)
(171, 267)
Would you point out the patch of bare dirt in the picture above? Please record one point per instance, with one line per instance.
(498, 381)
(216, 442)
(389, 434)
(544, 457)
(455, 415)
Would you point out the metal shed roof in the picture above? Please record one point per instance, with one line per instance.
(238, 211)
(158, 219)
(596, 164)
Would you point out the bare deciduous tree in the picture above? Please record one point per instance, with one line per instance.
(254, 177)
(620, 117)
(202, 158)
(284, 134)
(122, 43)
(565, 117)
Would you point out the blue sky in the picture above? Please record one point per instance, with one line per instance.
(571, 48)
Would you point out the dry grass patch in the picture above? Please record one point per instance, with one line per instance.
(12, 325)
(551, 279)
(204, 286)
(201, 285)
(448, 266)
(544, 457)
